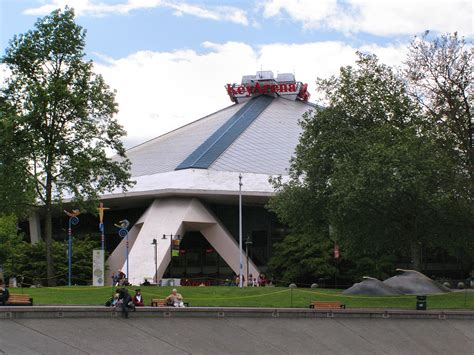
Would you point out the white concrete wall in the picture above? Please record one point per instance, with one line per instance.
(34, 222)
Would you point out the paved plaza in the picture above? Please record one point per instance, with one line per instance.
(236, 335)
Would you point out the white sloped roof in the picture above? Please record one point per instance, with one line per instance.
(166, 152)
(264, 147)
(268, 144)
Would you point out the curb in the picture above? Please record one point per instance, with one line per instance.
(55, 312)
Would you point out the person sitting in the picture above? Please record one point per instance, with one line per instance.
(124, 301)
(146, 283)
(4, 294)
(175, 299)
(138, 298)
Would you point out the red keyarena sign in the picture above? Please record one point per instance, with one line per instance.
(248, 90)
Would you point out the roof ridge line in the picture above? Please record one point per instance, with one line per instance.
(247, 107)
(213, 141)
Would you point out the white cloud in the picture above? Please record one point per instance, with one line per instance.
(388, 17)
(160, 91)
(96, 8)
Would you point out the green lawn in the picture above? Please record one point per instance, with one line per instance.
(247, 297)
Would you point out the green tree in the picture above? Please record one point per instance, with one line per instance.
(16, 190)
(64, 114)
(30, 262)
(369, 166)
(9, 240)
(299, 259)
(439, 71)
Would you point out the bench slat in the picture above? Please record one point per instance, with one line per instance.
(327, 305)
(157, 302)
(22, 299)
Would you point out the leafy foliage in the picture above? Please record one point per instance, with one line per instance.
(9, 238)
(370, 166)
(439, 71)
(30, 262)
(62, 118)
(298, 258)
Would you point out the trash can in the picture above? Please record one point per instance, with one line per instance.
(421, 303)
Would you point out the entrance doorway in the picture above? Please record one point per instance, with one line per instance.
(198, 262)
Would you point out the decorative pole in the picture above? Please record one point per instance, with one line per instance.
(240, 233)
(73, 220)
(123, 233)
(101, 210)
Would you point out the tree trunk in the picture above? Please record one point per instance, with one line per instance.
(48, 226)
(415, 256)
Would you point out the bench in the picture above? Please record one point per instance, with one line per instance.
(326, 305)
(19, 300)
(158, 302)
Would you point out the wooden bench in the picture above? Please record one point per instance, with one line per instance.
(19, 300)
(326, 305)
(157, 302)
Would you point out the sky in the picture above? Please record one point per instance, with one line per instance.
(169, 61)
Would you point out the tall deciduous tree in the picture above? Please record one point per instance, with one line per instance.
(64, 114)
(440, 71)
(16, 192)
(369, 166)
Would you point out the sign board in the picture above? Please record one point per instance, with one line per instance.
(264, 83)
(98, 272)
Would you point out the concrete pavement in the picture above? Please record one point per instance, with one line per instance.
(232, 335)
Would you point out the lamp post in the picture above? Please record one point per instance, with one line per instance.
(240, 233)
(123, 233)
(155, 243)
(73, 220)
(248, 243)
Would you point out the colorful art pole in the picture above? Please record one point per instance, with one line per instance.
(101, 210)
(73, 220)
(123, 233)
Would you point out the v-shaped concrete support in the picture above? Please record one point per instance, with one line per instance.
(172, 216)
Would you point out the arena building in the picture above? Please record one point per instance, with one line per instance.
(187, 185)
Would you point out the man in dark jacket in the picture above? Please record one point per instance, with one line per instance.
(4, 294)
(125, 299)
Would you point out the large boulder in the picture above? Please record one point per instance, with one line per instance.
(372, 287)
(412, 282)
